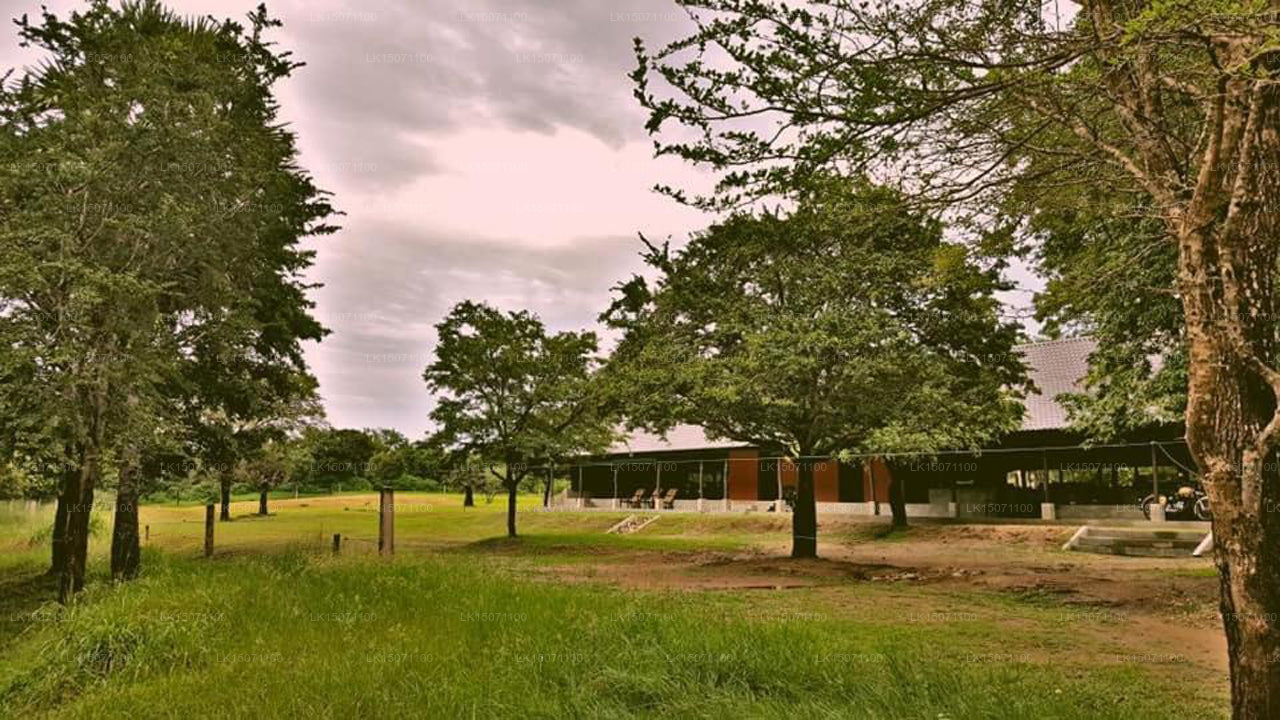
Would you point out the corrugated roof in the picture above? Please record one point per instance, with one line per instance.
(680, 437)
(1055, 366)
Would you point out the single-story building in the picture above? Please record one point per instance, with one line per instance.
(1044, 470)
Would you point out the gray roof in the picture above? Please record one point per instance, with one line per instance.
(1055, 366)
(680, 437)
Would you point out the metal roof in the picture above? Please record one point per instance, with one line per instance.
(680, 437)
(1055, 366)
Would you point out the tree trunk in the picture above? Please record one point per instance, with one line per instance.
(511, 508)
(1227, 287)
(897, 499)
(224, 483)
(79, 498)
(1224, 418)
(804, 519)
(262, 502)
(546, 493)
(59, 552)
(468, 496)
(126, 549)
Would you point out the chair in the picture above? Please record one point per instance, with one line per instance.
(635, 500)
(669, 499)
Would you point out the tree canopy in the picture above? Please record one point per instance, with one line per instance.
(848, 325)
(513, 394)
(151, 211)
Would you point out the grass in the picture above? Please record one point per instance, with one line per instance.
(463, 624)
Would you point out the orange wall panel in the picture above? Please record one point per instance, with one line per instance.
(876, 469)
(826, 481)
(744, 474)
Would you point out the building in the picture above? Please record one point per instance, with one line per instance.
(1044, 470)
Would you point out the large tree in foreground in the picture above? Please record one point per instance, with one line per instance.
(150, 215)
(1172, 105)
(512, 394)
(849, 325)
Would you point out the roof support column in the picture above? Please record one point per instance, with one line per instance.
(657, 486)
(726, 485)
(699, 486)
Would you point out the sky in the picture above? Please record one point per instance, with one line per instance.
(486, 150)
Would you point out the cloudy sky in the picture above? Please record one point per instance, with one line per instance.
(483, 149)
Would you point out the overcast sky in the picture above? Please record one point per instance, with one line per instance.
(482, 150)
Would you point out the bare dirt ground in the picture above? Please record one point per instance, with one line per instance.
(1148, 605)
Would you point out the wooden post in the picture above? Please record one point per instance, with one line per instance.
(657, 486)
(208, 530)
(614, 504)
(1044, 459)
(726, 484)
(147, 535)
(337, 543)
(581, 500)
(777, 466)
(699, 486)
(387, 522)
(871, 470)
(1155, 473)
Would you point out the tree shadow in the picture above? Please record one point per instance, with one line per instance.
(22, 594)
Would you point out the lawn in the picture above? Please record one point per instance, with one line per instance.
(696, 616)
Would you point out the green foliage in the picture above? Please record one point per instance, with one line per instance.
(151, 214)
(512, 394)
(849, 324)
(1112, 276)
(338, 456)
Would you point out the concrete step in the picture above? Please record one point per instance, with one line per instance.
(1136, 542)
(1146, 542)
(1145, 533)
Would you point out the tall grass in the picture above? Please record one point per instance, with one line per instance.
(302, 635)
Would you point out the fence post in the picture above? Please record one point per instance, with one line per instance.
(208, 530)
(337, 543)
(386, 522)
(147, 536)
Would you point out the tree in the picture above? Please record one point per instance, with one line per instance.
(512, 394)
(340, 455)
(849, 325)
(270, 468)
(148, 201)
(1170, 105)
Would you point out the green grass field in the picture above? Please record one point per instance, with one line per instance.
(464, 623)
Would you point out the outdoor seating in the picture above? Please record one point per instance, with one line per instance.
(668, 501)
(635, 500)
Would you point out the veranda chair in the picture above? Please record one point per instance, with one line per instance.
(669, 499)
(635, 500)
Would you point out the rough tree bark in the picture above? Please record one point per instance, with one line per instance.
(511, 508)
(1227, 238)
(897, 498)
(224, 491)
(126, 548)
(804, 520)
(79, 499)
(59, 551)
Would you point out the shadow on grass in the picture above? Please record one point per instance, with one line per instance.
(21, 595)
(541, 544)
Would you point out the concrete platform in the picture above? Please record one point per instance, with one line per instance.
(1166, 541)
